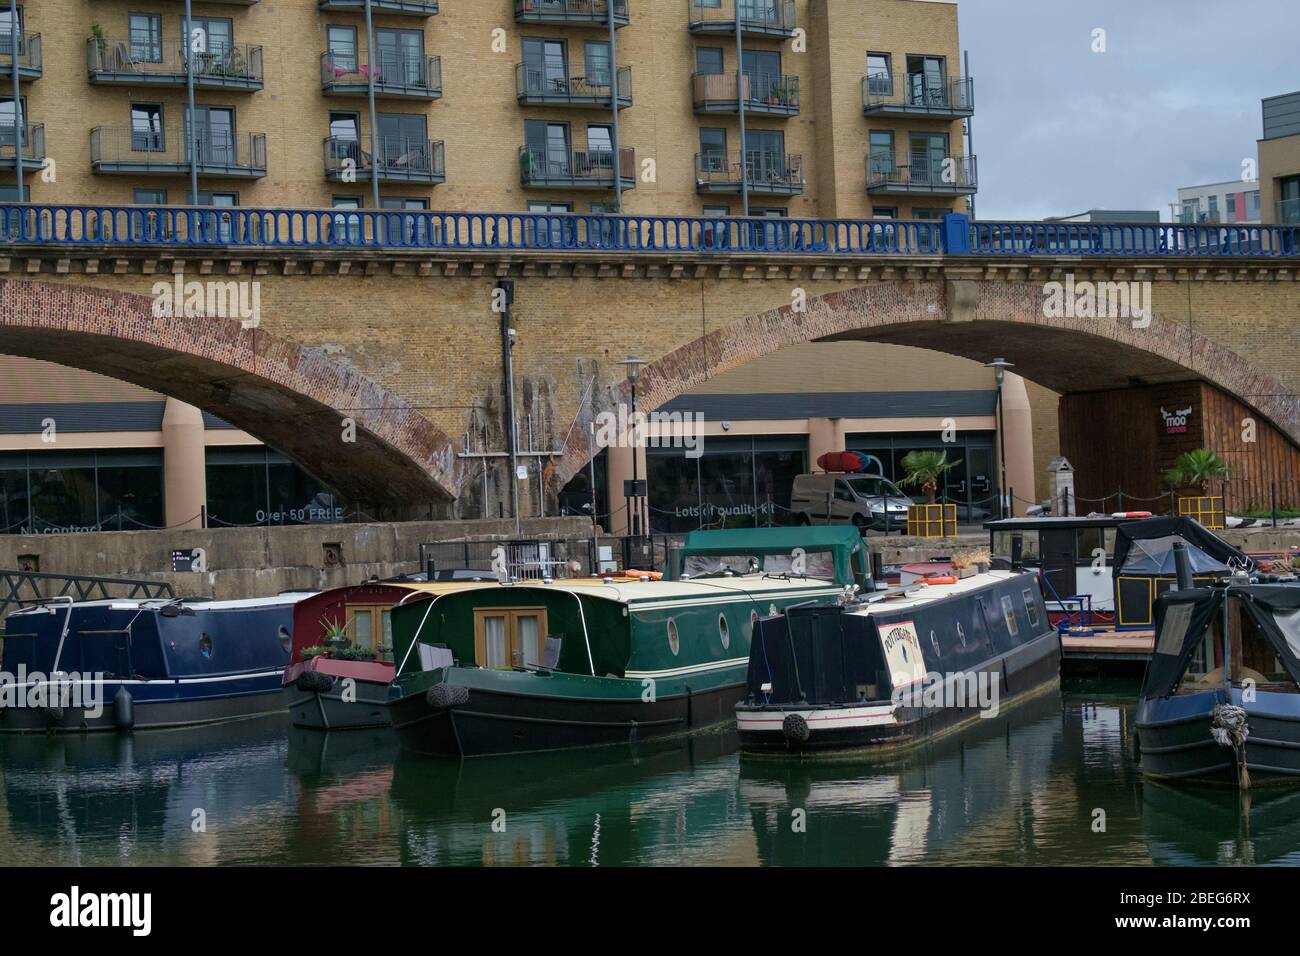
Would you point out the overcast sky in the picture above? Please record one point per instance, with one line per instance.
(1174, 100)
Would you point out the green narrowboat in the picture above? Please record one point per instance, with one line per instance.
(604, 661)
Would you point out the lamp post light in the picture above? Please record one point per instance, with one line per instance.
(633, 500)
(1000, 366)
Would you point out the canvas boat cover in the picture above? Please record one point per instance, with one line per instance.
(1183, 617)
(1146, 548)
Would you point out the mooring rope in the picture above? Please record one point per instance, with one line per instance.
(1228, 728)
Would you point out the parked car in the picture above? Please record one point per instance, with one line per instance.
(865, 501)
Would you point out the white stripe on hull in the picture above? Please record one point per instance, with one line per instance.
(770, 721)
(688, 670)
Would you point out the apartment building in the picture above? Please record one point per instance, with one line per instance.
(1234, 202)
(1279, 160)
(804, 108)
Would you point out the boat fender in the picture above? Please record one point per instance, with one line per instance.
(314, 682)
(123, 709)
(442, 696)
(1229, 729)
(794, 727)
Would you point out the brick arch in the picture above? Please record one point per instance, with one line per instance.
(292, 397)
(974, 319)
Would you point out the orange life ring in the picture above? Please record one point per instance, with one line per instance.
(944, 580)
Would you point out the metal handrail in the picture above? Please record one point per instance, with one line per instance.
(80, 587)
(763, 168)
(29, 50)
(392, 71)
(131, 226)
(760, 89)
(229, 61)
(397, 154)
(172, 147)
(540, 165)
(532, 81)
(922, 170)
(32, 137)
(915, 91)
(581, 10)
(776, 16)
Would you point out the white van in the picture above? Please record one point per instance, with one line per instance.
(865, 501)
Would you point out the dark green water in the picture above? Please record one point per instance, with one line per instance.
(1022, 788)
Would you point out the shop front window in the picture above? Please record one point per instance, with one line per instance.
(80, 491)
(256, 486)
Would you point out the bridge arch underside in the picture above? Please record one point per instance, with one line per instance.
(297, 400)
(1077, 358)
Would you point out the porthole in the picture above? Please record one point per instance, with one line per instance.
(286, 641)
(724, 631)
(674, 644)
(753, 622)
(205, 646)
(961, 635)
(934, 642)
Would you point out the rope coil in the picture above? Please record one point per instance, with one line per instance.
(1229, 729)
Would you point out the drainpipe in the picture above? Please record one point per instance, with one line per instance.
(507, 290)
(970, 133)
(14, 36)
(189, 95)
(613, 72)
(370, 100)
(740, 102)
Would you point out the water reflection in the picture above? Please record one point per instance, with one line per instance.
(1049, 783)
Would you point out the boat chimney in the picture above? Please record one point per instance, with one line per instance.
(1183, 567)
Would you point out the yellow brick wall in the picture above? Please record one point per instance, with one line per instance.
(1277, 158)
(478, 117)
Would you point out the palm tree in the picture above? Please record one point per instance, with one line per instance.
(925, 468)
(1195, 469)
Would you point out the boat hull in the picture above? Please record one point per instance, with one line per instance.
(1174, 740)
(507, 713)
(329, 710)
(858, 731)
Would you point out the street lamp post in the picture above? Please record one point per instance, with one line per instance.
(1000, 366)
(633, 501)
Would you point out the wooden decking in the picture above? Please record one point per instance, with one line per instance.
(1132, 646)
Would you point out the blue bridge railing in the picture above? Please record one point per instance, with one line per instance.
(955, 235)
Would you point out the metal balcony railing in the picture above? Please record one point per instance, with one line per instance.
(32, 139)
(266, 230)
(128, 62)
(757, 17)
(916, 94)
(168, 152)
(409, 8)
(1288, 212)
(767, 172)
(570, 11)
(534, 84)
(400, 159)
(395, 74)
(922, 173)
(29, 55)
(590, 169)
(764, 92)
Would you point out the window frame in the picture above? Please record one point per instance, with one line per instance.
(513, 644)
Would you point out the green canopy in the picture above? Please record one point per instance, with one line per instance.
(839, 542)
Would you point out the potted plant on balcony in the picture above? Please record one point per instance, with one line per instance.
(101, 43)
(527, 165)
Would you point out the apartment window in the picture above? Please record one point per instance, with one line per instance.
(402, 141)
(343, 49)
(713, 150)
(1253, 199)
(928, 152)
(149, 197)
(1214, 209)
(882, 152)
(546, 66)
(215, 132)
(401, 56)
(144, 31)
(209, 35)
(708, 59)
(544, 207)
(597, 63)
(925, 80)
(762, 68)
(547, 149)
(880, 77)
(600, 145)
(414, 230)
(7, 29)
(929, 212)
(884, 212)
(765, 155)
(220, 226)
(1231, 199)
(717, 211)
(146, 128)
(345, 225)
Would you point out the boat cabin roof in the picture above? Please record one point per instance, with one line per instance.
(199, 604)
(1057, 523)
(930, 593)
(842, 542)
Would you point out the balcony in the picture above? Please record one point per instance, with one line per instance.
(400, 160)
(533, 87)
(911, 94)
(396, 76)
(591, 13)
(1288, 212)
(548, 169)
(111, 62)
(771, 174)
(167, 153)
(770, 94)
(923, 174)
(33, 147)
(758, 18)
(29, 56)
(399, 8)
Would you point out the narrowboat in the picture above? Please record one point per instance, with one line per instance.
(886, 673)
(589, 662)
(340, 663)
(143, 663)
(1198, 719)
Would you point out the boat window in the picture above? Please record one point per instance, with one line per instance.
(1031, 607)
(753, 623)
(934, 642)
(1029, 547)
(1009, 612)
(205, 646)
(285, 640)
(674, 644)
(724, 631)
(1288, 623)
(509, 637)
(961, 634)
(1087, 540)
(813, 564)
(370, 626)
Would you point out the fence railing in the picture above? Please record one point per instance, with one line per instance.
(916, 92)
(535, 83)
(28, 587)
(775, 17)
(922, 171)
(766, 171)
(123, 149)
(550, 167)
(31, 137)
(763, 92)
(233, 63)
(955, 235)
(415, 73)
(398, 158)
(29, 52)
(542, 11)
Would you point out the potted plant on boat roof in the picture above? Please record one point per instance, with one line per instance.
(316, 650)
(335, 635)
(924, 469)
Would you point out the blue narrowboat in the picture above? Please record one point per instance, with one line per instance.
(133, 663)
